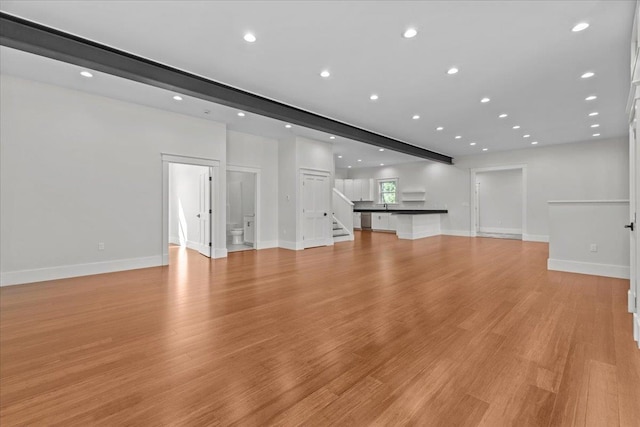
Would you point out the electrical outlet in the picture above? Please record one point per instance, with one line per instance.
(101, 246)
(593, 247)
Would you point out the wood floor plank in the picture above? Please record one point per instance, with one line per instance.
(439, 331)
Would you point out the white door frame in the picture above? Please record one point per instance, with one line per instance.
(215, 217)
(474, 202)
(300, 217)
(258, 179)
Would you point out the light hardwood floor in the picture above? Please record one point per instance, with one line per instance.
(442, 331)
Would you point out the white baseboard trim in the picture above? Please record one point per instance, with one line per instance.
(535, 238)
(606, 270)
(219, 253)
(66, 271)
(501, 230)
(267, 244)
(174, 240)
(292, 246)
(460, 233)
(417, 235)
(347, 238)
(636, 328)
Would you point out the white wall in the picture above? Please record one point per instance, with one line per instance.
(184, 204)
(97, 178)
(500, 201)
(261, 153)
(576, 226)
(582, 170)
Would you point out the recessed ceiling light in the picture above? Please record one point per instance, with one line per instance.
(339, 157)
(439, 128)
(503, 115)
(287, 126)
(349, 167)
(595, 126)
(410, 33)
(373, 97)
(380, 149)
(485, 100)
(381, 164)
(579, 27)
(241, 114)
(596, 134)
(534, 142)
(325, 73)
(526, 136)
(587, 75)
(452, 70)
(85, 73)
(458, 137)
(359, 160)
(177, 98)
(472, 143)
(332, 137)
(590, 98)
(516, 127)
(485, 149)
(415, 117)
(595, 113)
(248, 37)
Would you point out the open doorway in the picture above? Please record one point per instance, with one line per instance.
(190, 207)
(499, 202)
(189, 200)
(242, 208)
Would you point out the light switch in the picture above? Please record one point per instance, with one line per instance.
(594, 247)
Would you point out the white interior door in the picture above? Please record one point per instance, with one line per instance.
(634, 189)
(315, 210)
(204, 214)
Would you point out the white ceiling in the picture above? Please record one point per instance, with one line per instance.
(521, 54)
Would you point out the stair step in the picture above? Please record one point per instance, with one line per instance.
(340, 235)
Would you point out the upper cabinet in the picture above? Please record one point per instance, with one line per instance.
(356, 190)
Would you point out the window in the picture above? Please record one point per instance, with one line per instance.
(387, 190)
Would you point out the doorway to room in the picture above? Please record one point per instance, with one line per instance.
(190, 207)
(499, 202)
(242, 208)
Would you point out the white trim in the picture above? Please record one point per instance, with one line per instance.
(175, 240)
(473, 194)
(219, 253)
(535, 238)
(293, 246)
(417, 235)
(631, 302)
(459, 233)
(552, 202)
(76, 270)
(501, 230)
(267, 244)
(342, 196)
(347, 238)
(636, 328)
(218, 215)
(606, 270)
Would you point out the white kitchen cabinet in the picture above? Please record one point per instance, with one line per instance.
(348, 189)
(356, 190)
(379, 221)
(393, 222)
(357, 220)
(384, 221)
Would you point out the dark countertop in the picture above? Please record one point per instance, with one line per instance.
(406, 211)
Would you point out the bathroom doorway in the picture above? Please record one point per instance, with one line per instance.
(242, 209)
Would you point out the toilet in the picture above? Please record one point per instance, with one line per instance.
(236, 234)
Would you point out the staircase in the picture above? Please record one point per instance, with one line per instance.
(340, 233)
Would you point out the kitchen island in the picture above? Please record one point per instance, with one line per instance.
(411, 224)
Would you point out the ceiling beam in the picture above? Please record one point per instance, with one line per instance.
(30, 37)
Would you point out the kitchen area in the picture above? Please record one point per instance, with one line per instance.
(380, 206)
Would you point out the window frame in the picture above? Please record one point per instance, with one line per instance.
(380, 192)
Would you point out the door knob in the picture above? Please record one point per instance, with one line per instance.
(629, 226)
(325, 214)
(198, 215)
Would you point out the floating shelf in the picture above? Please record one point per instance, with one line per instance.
(413, 196)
